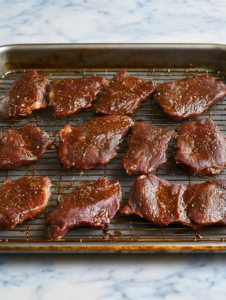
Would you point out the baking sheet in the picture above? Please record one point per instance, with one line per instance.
(123, 233)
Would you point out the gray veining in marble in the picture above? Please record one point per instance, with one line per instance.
(81, 21)
(128, 276)
(113, 277)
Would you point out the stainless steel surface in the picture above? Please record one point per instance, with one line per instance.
(123, 234)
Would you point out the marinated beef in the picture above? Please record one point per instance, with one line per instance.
(203, 204)
(124, 94)
(22, 146)
(93, 144)
(154, 199)
(147, 149)
(94, 204)
(196, 205)
(201, 148)
(70, 95)
(26, 94)
(189, 97)
(22, 199)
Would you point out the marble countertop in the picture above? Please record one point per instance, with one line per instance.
(108, 276)
(113, 276)
(98, 21)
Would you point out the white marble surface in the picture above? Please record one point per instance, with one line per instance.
(113, 277)
(101, 276)
(89, 21)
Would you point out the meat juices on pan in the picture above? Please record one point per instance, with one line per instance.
(26, 94)
(201, 148)
(70, 95)
(93, 144)
(22, 146)
(196, 205)
(124, 94)
(22, 199)
(94, 204)
(147, 149)
(189, 97)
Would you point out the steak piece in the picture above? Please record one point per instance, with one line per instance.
(147, 149)
(124, 94)
(93, 144)
(94, 204)
(196, 205)
(203, 204)
(26, 94)
(22, 146)
(189, 97)
(70, 95)
(22, 199)
(201, 148)
(154, 199)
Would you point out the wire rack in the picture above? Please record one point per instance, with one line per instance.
(121, 229)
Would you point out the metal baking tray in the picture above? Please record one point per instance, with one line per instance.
(158, 62)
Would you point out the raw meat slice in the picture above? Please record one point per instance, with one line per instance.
(201, 148)
(22, 146)
(153, 199)
(22, 199)
(26, 94)
(94, 204)
(124, 94)
(93, 144)
(203, 204)
(70, 95)
(197, 205)
(189, 97)
(147, 149)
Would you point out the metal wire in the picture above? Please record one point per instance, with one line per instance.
(120, 229)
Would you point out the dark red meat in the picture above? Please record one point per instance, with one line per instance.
(196, 205)
(189, 97)
(22, 199)
(26, 94)
(124, 94)
(22, 146)
(93, 144)
(70, 95)
(147, 149)
(153, 199)
(94, 204)
(203, 204)
(201, 148)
